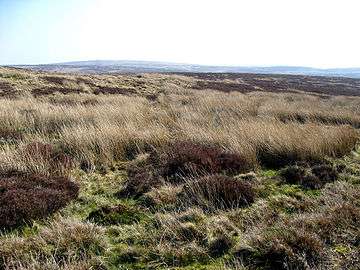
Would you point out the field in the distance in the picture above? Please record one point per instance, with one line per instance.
(179, 171)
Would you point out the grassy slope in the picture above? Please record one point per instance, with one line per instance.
(287, 224)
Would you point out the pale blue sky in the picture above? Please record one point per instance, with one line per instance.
(317, 33)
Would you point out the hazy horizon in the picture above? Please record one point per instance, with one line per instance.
(178, 63)
(254, 33)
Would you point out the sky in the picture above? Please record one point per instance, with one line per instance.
(315, 33)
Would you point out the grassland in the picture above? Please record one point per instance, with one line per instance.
(178, 171)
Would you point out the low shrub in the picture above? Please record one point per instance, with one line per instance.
(218, 191)
(176, 161)
(325, 173)
(24, 197)
(311, 178)
(189, 158)
(293, 174)
(142, 177)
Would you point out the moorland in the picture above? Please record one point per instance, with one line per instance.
(178, 171)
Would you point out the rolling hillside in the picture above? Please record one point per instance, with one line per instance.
(101, 66)
(189, 171)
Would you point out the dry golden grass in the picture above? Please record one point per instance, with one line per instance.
(64, 244)
(104, 132)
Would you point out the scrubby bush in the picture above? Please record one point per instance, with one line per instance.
(24, 197)
(312, 178)
(218, 191)
(189, 158)
(176, 161)
(326, 173)
(142, 177)
(293, 174)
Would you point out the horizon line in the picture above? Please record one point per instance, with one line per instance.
(182, 63)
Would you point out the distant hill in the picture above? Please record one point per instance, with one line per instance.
(124, 66)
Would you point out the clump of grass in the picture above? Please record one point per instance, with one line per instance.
(11, 135)
(165, 196)
(58, 162)
(24, 197)
(302, 243)
(125, 254)
(218, 192)
(181, 256)
(284, 248)
(63, 243)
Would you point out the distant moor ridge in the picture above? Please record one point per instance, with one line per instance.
(15, 82)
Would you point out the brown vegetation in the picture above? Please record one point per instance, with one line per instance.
(188, 158)
(218, 192)
(26, 197)
(277, 83)
(313, 178)
(112, 90)
(177, 160)
(53, 90)
(7, 90)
